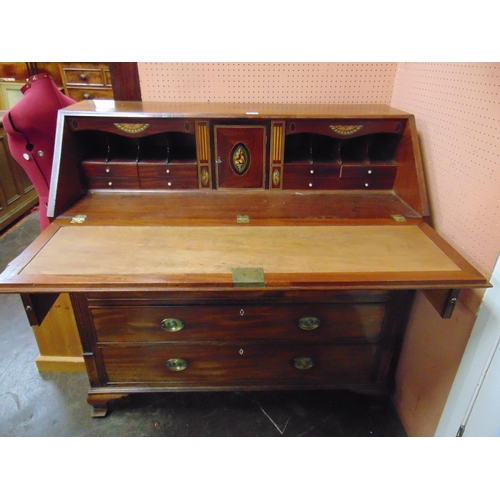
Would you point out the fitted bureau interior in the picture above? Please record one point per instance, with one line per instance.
(164, 160)
(322, 162)
(167, 154)
(114, 161)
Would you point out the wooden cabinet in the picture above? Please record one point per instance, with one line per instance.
(17, 194)
(86, 80)
(230, 247)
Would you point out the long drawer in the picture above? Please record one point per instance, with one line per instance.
(294, 322)
(239, 363)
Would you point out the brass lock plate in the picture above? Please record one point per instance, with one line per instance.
(248, 277)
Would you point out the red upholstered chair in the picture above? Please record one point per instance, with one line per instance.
(31, 127)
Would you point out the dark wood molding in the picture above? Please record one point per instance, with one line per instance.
(125, 81)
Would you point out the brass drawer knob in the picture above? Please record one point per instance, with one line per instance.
(303, 363)
(177, 364)
(172, 324)
(309, 323)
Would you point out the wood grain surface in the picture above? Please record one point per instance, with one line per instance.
(122, 250)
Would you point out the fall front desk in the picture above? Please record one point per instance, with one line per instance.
(210, 247)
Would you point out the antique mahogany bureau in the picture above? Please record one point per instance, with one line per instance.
(237, 246)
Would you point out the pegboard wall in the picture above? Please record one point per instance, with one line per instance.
(306, 83)
(457, 110)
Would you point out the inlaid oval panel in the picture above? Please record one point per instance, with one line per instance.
(240, 158)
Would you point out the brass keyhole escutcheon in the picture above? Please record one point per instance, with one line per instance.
(303, 363)
(177, 364)
(172, 324)
(309, 323)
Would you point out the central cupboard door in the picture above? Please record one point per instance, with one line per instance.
(240, 156)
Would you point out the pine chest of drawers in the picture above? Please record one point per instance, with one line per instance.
(232, 247)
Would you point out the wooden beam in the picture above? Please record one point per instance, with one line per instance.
(125, 81)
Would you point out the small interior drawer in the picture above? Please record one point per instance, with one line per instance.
(311, 176)
(175, 182)
(101, 168)
(113, 183)
(163, 168)
(368, 172)
(366, 183)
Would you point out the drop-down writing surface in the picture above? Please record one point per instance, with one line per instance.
(393, 256)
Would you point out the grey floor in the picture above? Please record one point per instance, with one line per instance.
(54, 404)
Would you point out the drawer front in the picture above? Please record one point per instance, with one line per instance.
(156, 175)
(368, 183)
(169, 183)
(239, 363)
(83, 76)
(80, 94)
(156, 169)
(109, 169)
(368, 172)
(113, 183)
(304, 182)
(311, 176)
(297, 322)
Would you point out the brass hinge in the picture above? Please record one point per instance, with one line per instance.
(242, 219)
(248, 277)
(399, 217)
(78, 219)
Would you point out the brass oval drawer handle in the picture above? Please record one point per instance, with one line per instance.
(303, 363)
(177, 364)
(172, 324)
(309, 323)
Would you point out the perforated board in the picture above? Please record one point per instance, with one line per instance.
(307, 83)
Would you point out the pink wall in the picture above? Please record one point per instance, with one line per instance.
(457, 110)
(268, 82)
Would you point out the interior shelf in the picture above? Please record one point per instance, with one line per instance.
(315, 148)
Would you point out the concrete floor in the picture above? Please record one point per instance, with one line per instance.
(54, 404)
